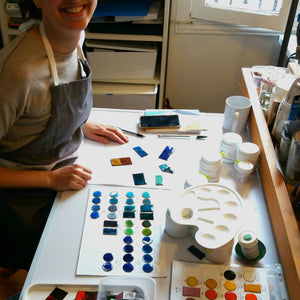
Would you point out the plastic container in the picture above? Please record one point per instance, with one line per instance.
(211, 166)
(279, 91)
(249, 244)
(282, 116)
(244, 170)
(229, 145)
(247, 152)
(144, 287)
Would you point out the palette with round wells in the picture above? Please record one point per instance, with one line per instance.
(213, 212)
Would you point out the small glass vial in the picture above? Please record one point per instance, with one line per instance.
(247, 152)
(244, 170)
(249, 244)
(229, 145)
(211, 166)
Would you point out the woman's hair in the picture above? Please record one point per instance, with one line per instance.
(29, 10)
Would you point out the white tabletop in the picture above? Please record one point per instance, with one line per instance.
(56, 258)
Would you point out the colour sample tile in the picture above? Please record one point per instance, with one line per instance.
(199, 281)
(122, 237)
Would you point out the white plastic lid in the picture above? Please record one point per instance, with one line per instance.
(283, 85)
(249, 149)
(245, 167)
(212, 158)
(231, 138)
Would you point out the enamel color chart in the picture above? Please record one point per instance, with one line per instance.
(123, 232)
(192, 281)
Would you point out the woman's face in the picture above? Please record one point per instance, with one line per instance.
(65, 16)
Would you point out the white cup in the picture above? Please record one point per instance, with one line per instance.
(237, 109)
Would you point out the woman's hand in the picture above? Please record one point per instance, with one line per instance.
(103, 133)
(73, 177)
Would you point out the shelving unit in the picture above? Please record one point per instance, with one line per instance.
(7, 33)
(155, 84)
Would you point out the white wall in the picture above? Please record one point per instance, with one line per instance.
(204, 64)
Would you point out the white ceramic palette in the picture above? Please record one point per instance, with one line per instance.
(213, 212)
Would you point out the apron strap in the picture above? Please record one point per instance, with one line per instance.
(50, 54)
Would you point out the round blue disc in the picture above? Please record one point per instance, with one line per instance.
(94, 215)
(113, 208)
(128, 258)
(129, 201)
(108, 256)
(112, 215)
(107, 266)
(130, 194)
(97, 194)
(147, 248)
(95, 207)
(114, 194)
(147, 201)
(128, 248)
(127, 239)
(146, 195)
(96, 200)
(147, 268)
(147, 258)
(113, 201)
(147, 240)
(128, 267)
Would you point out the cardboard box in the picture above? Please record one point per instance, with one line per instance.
(111, 60)
(127, 96)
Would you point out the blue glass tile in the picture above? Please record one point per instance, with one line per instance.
(107, 267)
(127, 239)
(147, 258)
(147, 268)
(94, 215)
(108, 256)
(128, 258)
(97, 194)
(128, 248)
(95, 207)
(147, 248)
(96, 200)
(128, 267)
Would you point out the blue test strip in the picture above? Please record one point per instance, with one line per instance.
(140, 151)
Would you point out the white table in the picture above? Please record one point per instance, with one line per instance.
(56, 258)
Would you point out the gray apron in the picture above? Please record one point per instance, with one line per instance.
(23, 212)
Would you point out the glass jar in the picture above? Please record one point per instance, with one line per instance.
(282, 116)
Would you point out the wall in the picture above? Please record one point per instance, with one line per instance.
(204, 63)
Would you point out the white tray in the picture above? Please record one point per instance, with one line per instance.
(40, 291)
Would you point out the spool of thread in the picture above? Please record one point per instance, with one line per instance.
(249, 244)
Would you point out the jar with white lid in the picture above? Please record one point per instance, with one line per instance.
(247, 152)
(279, 91)
(228, 146)
(211, 166)
(244, 170)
